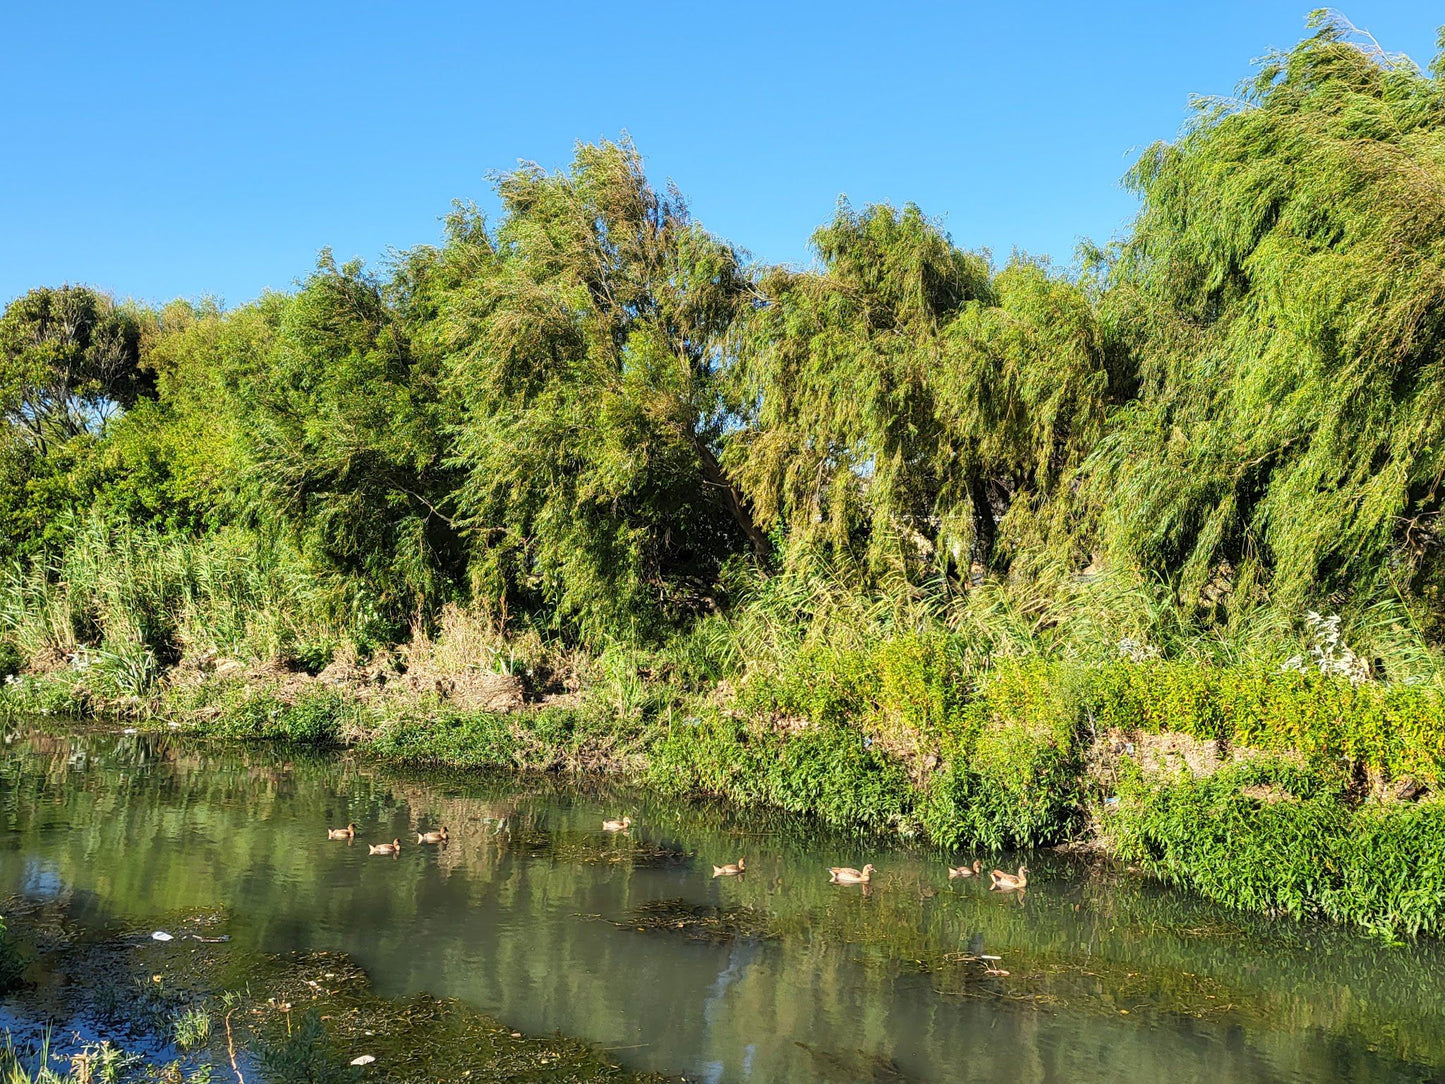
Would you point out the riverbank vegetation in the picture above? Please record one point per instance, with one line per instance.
(1144, 553)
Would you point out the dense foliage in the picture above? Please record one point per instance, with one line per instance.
(896, 539)
(591, 416)
(597, 419)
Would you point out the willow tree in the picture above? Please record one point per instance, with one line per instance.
(349, 436)
(904, 398)
(1023, 387)
(1284, 286)
(588, 339)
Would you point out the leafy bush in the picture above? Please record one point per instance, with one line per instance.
(320, 717)
(1273, 836)
(1019, 790)
(1014, 768)
(831, 772)
(1390, 729)
(464, 740)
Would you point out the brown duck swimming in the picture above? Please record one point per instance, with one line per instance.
(439, 836)
(732, 869)
(975, 870)
(617, 826)
(394, 847)
(349, 832)
(1007, 882)
(847, 875)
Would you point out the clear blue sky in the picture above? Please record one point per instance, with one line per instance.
(167, 150)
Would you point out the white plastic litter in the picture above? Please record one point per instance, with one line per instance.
(161, 935)
(365, 1059)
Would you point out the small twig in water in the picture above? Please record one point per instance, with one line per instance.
(231, 1049)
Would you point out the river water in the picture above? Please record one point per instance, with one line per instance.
(536, 916)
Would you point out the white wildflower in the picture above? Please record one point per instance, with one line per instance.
(1328, 651)
(1136, 651)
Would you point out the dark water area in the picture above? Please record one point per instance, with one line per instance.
(534, 915)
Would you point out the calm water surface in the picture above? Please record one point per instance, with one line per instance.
(534, 915)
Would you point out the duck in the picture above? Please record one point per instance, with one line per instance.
(847, 875)
(617, 826)
(1007, 882)
(349, 832)
(394, 847)
(439, 836)
(975, 870)
(732, 869)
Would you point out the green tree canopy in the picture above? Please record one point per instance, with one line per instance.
(1284, 292)
(69, 358)
(905, 397)
(589, 347)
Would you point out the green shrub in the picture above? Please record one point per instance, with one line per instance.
(831, 772)
(1014, 767)
(708, 755)
(461, 740)
(1389, 729)
(1392, 870)
(1021, 791)
(320, 717)
(922, 682)
(1254, 855)
(835, 774)
(1275, 837)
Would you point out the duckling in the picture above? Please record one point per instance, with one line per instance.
(349, 832)
(439, 836)
(974, 870)
(732, 869)
(617, 826)
(1007, 882)
(394, 847)
(847, 875)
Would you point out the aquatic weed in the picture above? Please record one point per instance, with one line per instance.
(192, 1028)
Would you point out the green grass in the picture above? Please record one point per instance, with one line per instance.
(192, 1028)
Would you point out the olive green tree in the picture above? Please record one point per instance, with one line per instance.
(905, 398)
(1283, 290)
(590, 338)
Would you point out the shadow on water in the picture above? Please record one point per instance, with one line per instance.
(533, 914)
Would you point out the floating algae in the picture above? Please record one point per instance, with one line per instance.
(700, 922)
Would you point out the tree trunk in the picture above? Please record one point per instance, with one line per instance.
(985, 530)
(714, 474)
